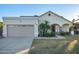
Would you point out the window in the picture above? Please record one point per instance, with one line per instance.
(49, 14)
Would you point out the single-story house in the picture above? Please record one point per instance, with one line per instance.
(27, 26)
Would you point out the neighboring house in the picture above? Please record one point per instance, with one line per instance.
(28, 25)
(76, 25)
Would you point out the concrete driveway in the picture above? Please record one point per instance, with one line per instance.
(12, 45)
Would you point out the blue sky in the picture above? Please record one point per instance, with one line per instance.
(69, 11)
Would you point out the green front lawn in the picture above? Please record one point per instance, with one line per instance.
(48, 46)
(71, 37)
(52, 46)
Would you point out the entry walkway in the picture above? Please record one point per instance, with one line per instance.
(57, 37)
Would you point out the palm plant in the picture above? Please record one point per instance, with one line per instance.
(43, 28)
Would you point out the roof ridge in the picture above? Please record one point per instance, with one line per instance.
(56, 15)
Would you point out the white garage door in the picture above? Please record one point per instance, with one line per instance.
(20, 30)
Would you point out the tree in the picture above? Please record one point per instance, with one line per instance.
(1, 29)
(43, 28)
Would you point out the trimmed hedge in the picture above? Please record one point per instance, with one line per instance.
(52, 34)
(64, 33)
(48, 34)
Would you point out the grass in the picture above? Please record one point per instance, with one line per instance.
(53, 46)
(75, 37)
(48, 46)
(71, 37)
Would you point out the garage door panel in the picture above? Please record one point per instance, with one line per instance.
(19, 30)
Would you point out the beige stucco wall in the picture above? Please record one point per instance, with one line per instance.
(54, 19)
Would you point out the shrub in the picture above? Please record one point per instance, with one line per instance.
(53, 33)
(49, 34)
(1, 29)
(64, 33)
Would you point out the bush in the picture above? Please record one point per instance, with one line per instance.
(76, 32)
(64, 33)
(53, 33)
(1, 29)
(49, 34)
